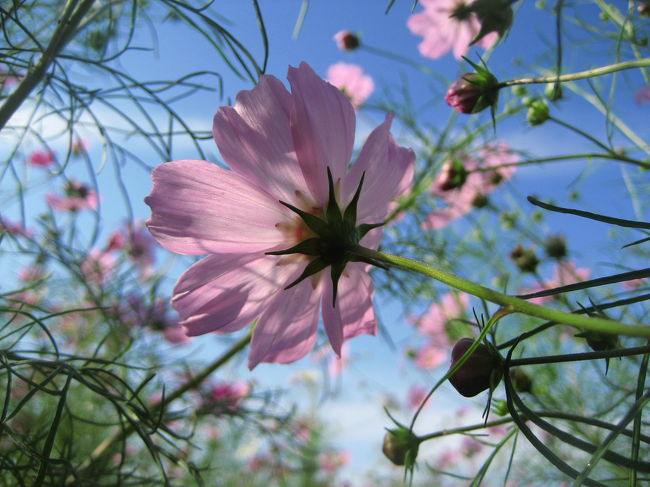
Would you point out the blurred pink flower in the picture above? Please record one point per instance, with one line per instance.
(431, 355)
(462, 185)
(98, 266)
(79, 147)
(41, 158)
(470, 446)
(349, 78)
(78, 196)
(140, 312)
(564, 273)
(137, 243)
(447, 25)
(15, 228)
(338, 363)
(633, 284)
(416, 395)
(331, 461)
(279, 146)
(642, 94)
(433, 322)
(229, 395)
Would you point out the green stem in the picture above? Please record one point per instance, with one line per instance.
(590, 73)
(510, 303)
(574, 357)
(68, 23)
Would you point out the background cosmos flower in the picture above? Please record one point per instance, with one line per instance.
(279, 146)
(350, 79)
(443, 31)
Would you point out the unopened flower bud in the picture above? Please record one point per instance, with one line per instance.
(553, 91)
(555, 247)
(643, 8)
(538, 112)
(480, 201)
(600, 342)
(452, 175)
(473, 92)
(521, 381)
(482, 370)
(525, 259)
(401, 446)
(346, 40)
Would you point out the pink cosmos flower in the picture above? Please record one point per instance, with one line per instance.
(564, 273)
(15, 228)
(416, 395)
(78, 196)
(229, 395)
(280, 147)
(137, 243)
(98, 266)
(642, 94)
(447, 25)
(41, 158)
(433, 324)
(349, 78)
(331, 461)
(80, 147)
(462, 185)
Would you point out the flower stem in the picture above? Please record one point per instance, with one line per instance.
(70, 19)
(590, 73)
(574, 357)
(510, 303)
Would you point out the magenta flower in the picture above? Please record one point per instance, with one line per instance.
(41, 158)
(77, 196)
(138, 245)
(642, 94)
(349, 78)
(447, 25)
(273, 224)
(461, 187)
(79, 147)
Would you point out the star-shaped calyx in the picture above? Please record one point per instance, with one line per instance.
(337, 238)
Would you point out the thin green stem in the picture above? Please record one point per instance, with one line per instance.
(69, 21)
(589, 73)
(574, 357)
(105, 446)
(510, 303)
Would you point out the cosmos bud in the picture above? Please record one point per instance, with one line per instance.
(481, 371)
(401, 446)
(473, 92)
(346, 40)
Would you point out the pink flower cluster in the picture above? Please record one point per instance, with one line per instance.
(462, 185)
(564, 273)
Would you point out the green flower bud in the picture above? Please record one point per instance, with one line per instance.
(538, 112)
(473, 92)
(553, 91)
(555, 247)
(521, 381)
(525, 259)
(401, 446)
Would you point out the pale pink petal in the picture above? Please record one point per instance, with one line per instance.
(351, 80)
(286, 331)
(353, 314)
(199, 208)
(388, 174)
(223, 293)
(323, 124)
(254, 138)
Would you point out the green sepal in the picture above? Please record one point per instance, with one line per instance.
(311, 246)
(336, 272)
(366, 227)
(314, 223)
(350, 214)
(332, 212)
(312, 268)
